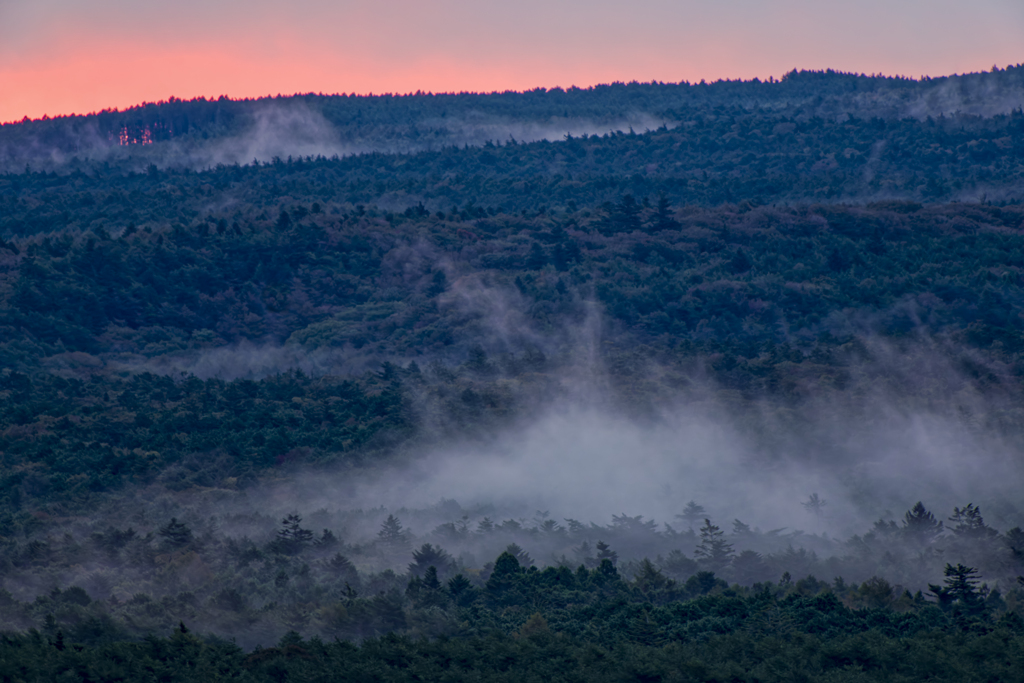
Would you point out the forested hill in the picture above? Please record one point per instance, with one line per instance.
(724, 158)
(202, 133)
(797, 303)
(736, 248)
(799, 307)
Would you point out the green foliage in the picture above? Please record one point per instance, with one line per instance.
(152, 325)
(96, 435)
(585, 624)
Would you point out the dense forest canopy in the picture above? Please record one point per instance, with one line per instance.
(636, 374)
(204, 133)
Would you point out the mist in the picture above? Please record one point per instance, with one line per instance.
(870, 457)
(291, 128)
(908, 421)
(580, 466)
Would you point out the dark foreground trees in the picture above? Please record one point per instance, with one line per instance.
(561, 625)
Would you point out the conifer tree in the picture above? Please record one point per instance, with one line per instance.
(920, 526)
(292, 538)
(664, 220)
(968, 523)
(431, 556)
(692, 514)
(604, 552)
(714, 551)
(391, 534)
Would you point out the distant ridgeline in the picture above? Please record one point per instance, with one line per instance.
(809, 135)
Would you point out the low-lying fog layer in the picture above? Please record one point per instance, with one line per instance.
(868, 453)
(589, 465)
(824, 493)
(294, 129)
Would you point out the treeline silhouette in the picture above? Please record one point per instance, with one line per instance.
(423, 121)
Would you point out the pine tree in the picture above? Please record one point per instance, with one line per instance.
(740, 529)
(920, 526)
(960, 592)
(649, 578)
(664, 220)
(506, 568)
(522, 557)
(431, 556)
(678, 566)
(962, 582)
(692, 514)
(968, 523)
(627, 213)
(713, 551)
(292, 538)
(391, 534)
(604, 552)
(343, 567)
(430, 580)
(749, 567)
(458, 585)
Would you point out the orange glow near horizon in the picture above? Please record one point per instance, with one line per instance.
(82, 64)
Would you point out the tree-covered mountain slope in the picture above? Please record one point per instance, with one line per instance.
(774, 297)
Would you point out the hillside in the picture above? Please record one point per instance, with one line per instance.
(641, 359)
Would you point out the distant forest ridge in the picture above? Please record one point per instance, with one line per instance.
(825, 82)
(328, 125)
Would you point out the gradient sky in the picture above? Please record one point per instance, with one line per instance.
(78, 56)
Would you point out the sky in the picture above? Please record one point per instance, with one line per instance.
(78, 56)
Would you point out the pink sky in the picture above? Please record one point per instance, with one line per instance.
(68, 56)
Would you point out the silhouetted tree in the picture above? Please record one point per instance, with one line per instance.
(741, 529)
(749, 567)
(692, 514)
(522, 557)
(627, 213)
(968, 523)
(713, 552)
(292, 538)
(664, 219)
(920, 526)
(649, 578)
(678, 566)
(502, 577)
(960, 592)
(604, 552)
(431, 556)
(391, 534)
